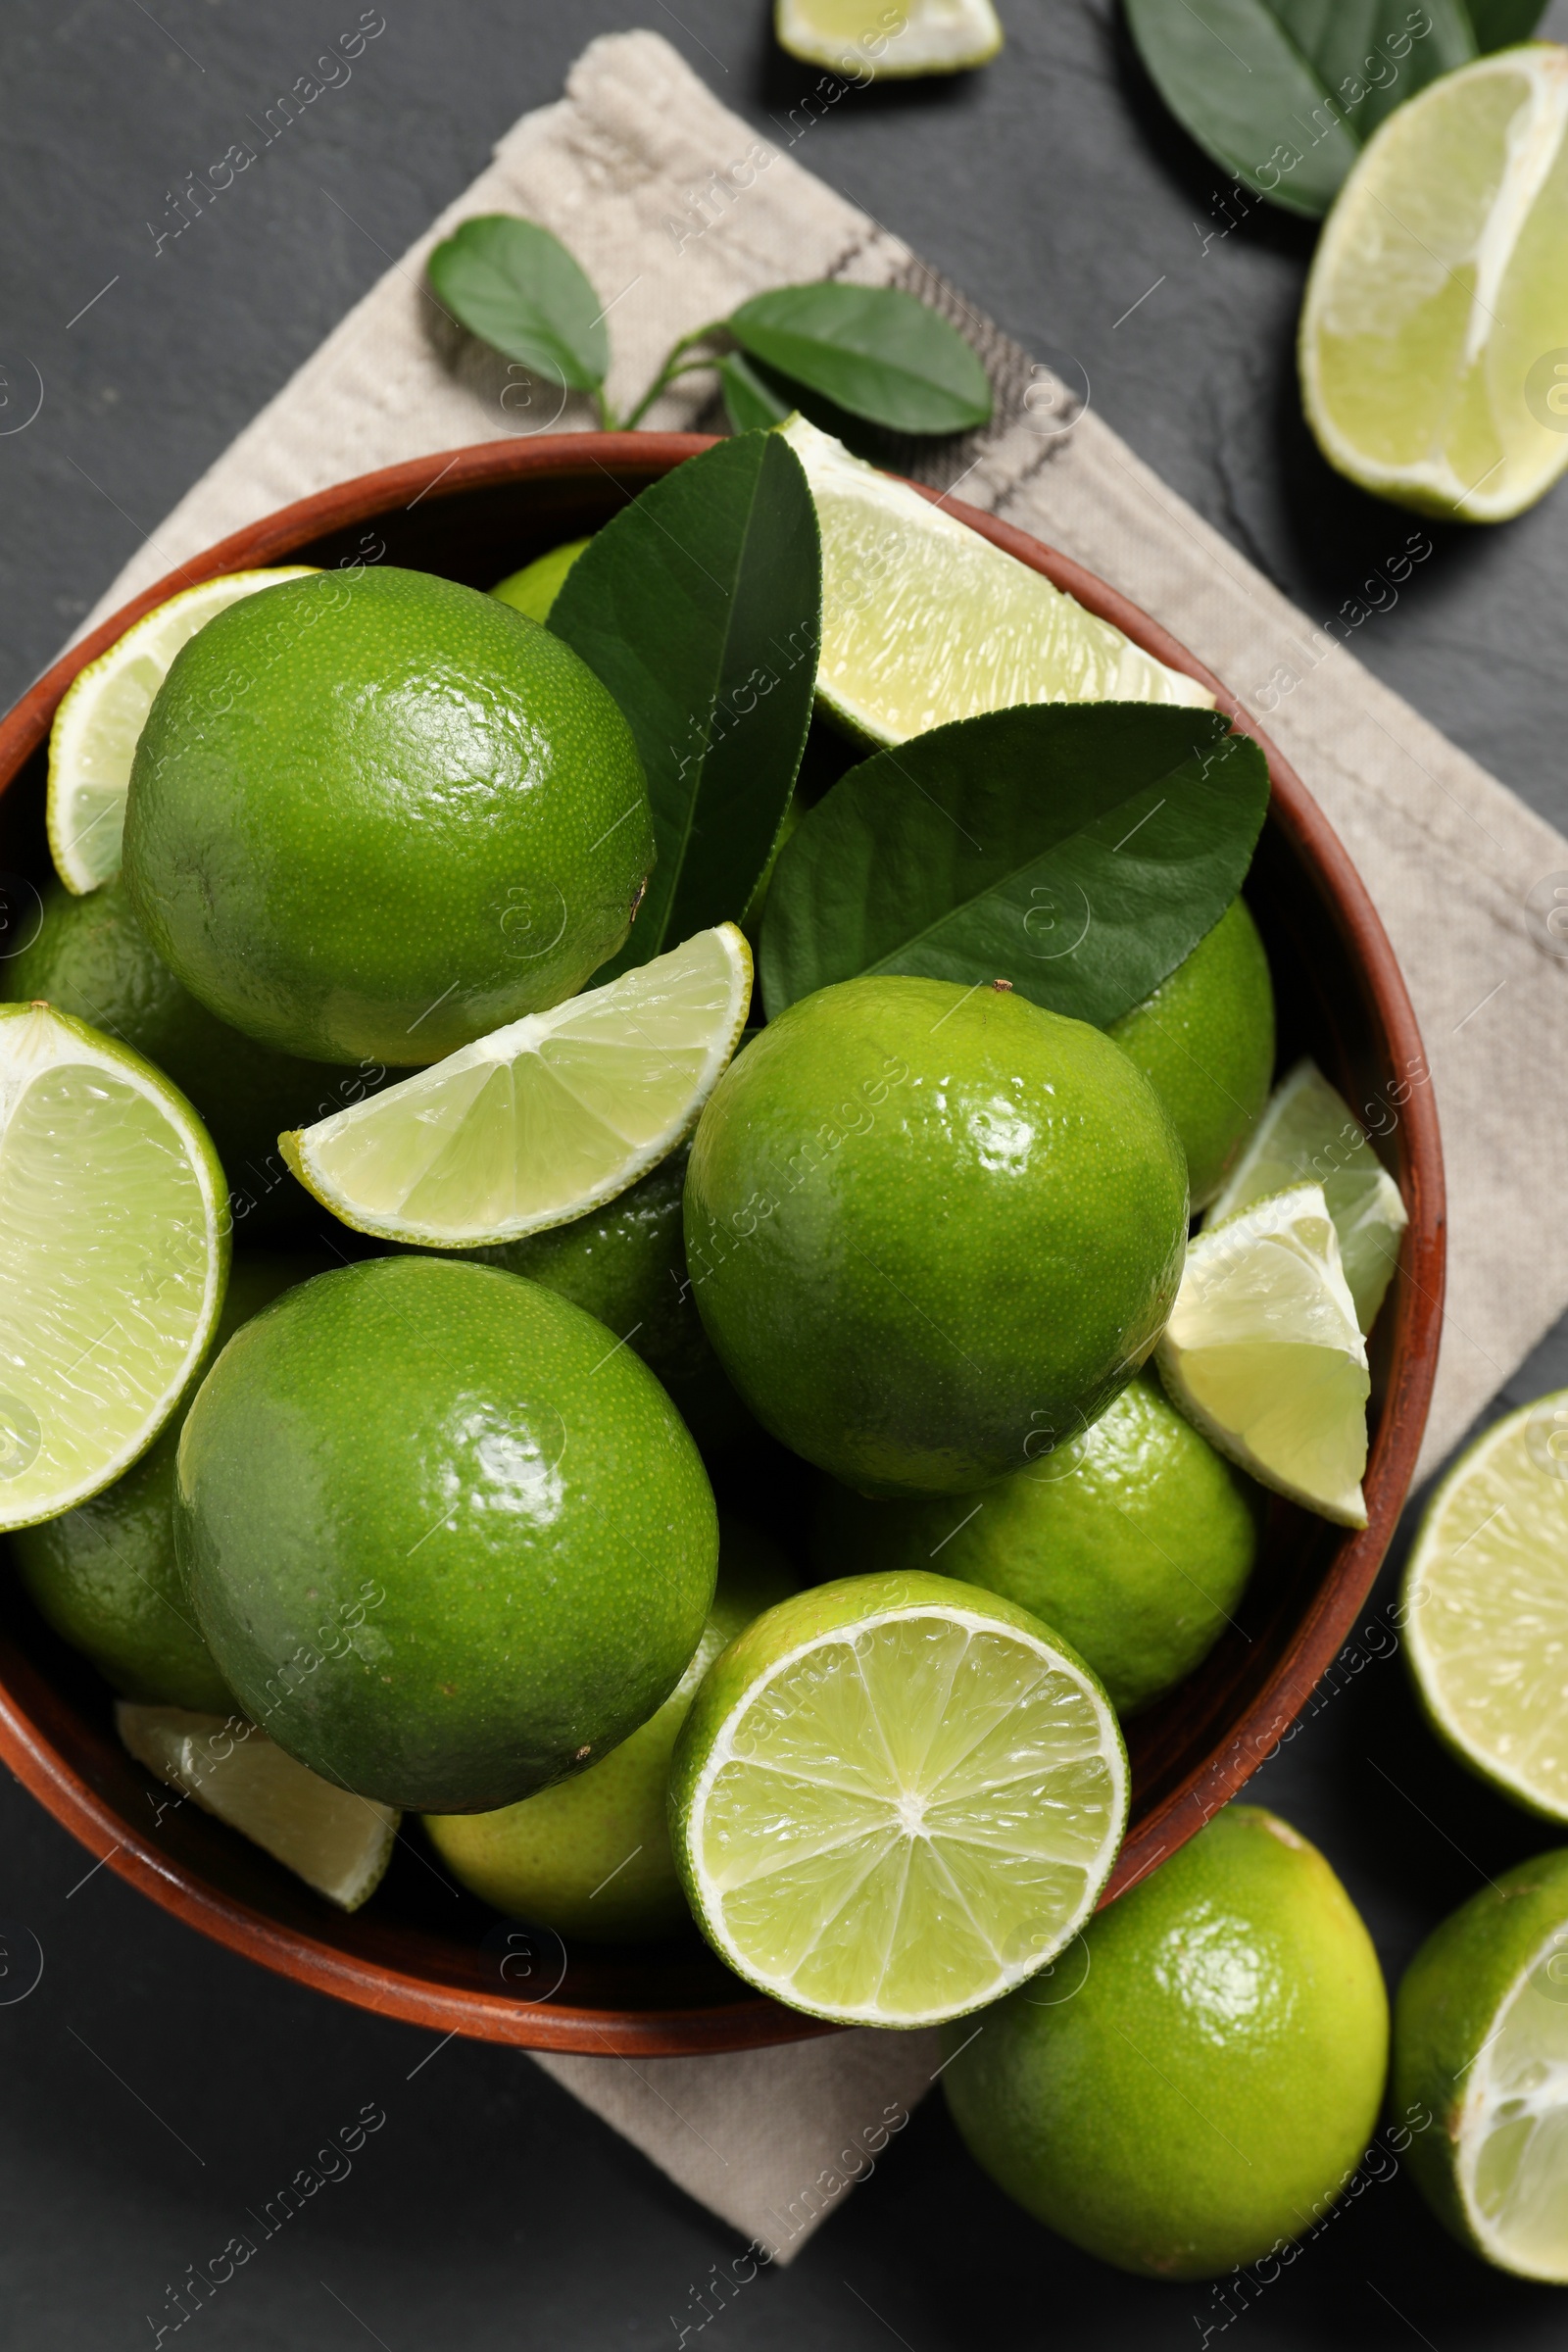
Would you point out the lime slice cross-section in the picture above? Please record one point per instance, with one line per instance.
(100, 720)
(543, 1120)
(1309, 1134)
(924, 621)
(114, 1233)
(1264, 1352)
(895, 1798)
(929, 36)
(337, 1842)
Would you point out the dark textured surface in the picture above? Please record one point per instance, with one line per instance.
(155, 2088)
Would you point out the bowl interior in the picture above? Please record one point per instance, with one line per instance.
(423, 1949)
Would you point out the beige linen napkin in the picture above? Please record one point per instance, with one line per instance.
(678, 211)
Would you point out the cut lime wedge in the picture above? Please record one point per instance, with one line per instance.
(1481, 2047)
(100, 720)
(924, 621)
(1486, 1598)
(1264, 1352)
(543, 1120)
(1434, 339)
(337, 1842)
(930, 36)
(1308, 1134)
(114, 1235)
(895, 1798)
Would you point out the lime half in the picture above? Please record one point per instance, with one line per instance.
(542, 1120)
(337, 1842)
(1309, 1134)
(895, 1798)
(931, 36)
(925, 621)
(1481, 2047)
(1485, 1598)
(1264, 1352)
(114, 1235)
(1434, 340)
(100, 720)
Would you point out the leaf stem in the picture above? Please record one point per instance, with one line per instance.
(673, 366)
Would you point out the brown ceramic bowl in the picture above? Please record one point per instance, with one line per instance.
(420, 1951)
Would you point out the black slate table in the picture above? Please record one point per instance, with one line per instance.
(153, 2087)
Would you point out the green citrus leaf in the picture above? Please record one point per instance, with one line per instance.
(1285, 93)
(1499, 24)
(879, 354)
(701, 608)
(750, 400)
(517, 288)
(1079, 849)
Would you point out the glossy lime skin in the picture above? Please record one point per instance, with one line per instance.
(444, 1548)
(374, 814)
(535, 589)
(1447, 2004)
(105, 1575)
(1204, 1040)
(1199, 2084)
(592, 1858)
(92, 959)
(932, 1231)
(1134, 1541)
(626, 1264)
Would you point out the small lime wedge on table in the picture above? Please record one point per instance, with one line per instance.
(114, 1232)
(896, 1798)
(930, 36)
(924, 621)
(542, 1120)
(1264, 1352)
(338, 1843)
(100, 720)
(1308, 1134)
(1434, 338)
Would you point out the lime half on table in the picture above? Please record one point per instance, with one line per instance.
(1485, 1596)
(1434, 338)
(924, 621)
(113, 1236)
(543, 1120)
(895, 1798)
(99, 723)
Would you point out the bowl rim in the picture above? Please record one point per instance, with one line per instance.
(751, 2020)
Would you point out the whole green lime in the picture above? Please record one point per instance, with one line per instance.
(1134, 1541)
(374, 814)
(105, 1575)
(592, 1857)
(535, 589)
(1199, 2084)
(1480, 2057)
(932, 1230)
(626, 1264)
(1204, 1040)
(443, 1546)
(92, 959)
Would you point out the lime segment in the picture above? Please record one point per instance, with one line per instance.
(1487, 1601)
(1264, 1352)
(100, 721)
(337, 1842)
(932, 37)
(1434, 341)
(545, 1119)
(1308, 1134)
(924, 621)
(895, 1798)
(114, 1232)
